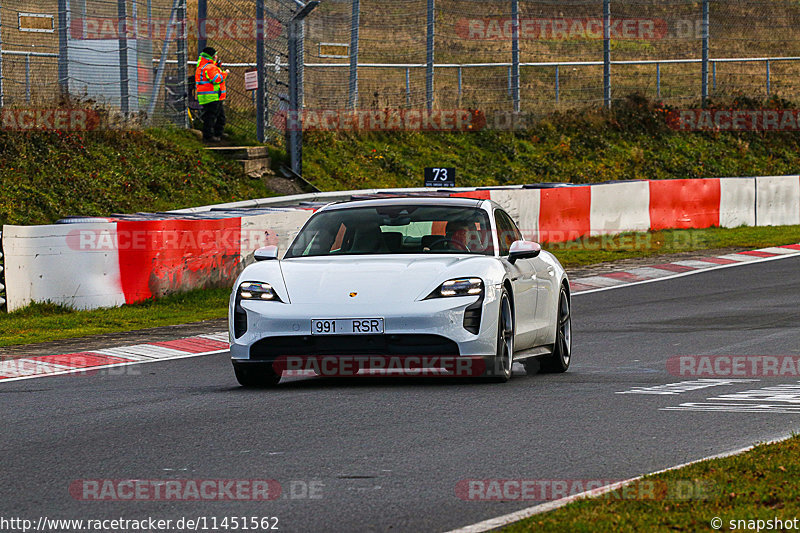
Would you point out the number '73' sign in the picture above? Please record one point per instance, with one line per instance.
(440, 177)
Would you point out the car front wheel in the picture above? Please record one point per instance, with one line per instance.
(559, 360)
(499, 369)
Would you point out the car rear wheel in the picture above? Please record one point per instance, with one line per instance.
(499, 370)
(256, 376)
(559, 360)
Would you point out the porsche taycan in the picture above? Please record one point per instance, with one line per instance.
(402, 284)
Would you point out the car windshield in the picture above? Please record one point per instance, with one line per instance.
(395, 229)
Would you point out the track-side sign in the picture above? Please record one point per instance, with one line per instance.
(251, 80)
(440, 177)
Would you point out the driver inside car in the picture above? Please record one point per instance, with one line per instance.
(465, 236)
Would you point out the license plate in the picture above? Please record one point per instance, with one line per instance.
(347, 326)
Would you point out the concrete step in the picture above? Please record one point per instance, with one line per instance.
(256, 167)
(241, 152)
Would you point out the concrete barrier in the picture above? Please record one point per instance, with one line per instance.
(778, 200)
(130, 259)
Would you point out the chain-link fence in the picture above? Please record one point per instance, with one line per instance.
(137, 56)
(538, 55)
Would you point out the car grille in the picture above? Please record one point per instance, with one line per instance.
(271, 347)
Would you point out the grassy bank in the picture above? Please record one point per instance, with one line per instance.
(45, 322)
(594, 250)
(45, 176)
(757, 485)
(632, 142)
(48, 322)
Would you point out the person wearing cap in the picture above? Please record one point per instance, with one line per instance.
(210, 87)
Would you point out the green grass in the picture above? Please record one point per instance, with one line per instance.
(631, 142)
(46, 322)
(757, 485)
(45, 176)
(593, 250)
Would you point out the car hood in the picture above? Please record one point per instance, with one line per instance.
(403, 278)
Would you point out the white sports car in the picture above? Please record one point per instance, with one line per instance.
(402, 284)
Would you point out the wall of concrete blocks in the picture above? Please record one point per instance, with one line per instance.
(113, 262)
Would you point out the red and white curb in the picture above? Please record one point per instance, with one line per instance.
(214, 343)
(53, 365)
(633, 276)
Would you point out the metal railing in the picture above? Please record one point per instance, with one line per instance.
(555, 65)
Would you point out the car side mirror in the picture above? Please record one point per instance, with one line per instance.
(267, 253)
(523, 250)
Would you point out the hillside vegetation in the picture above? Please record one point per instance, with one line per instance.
(632, 142)
(45, 176)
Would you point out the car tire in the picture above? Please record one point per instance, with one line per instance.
(499, 368)
(559, 360)
(256, 376)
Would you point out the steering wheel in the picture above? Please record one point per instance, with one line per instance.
(449, 241)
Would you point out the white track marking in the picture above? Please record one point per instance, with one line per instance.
(694, 263)
(221, 336)
(741, 258)
(601, 281)
(778, 250)
(500, 521)
(28, 367)
(752, 260)
(114, 365)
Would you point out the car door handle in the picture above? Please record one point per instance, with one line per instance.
(551, 271)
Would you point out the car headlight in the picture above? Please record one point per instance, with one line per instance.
(254, 290)
(459, 287)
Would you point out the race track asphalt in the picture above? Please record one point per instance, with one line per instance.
(386, 454)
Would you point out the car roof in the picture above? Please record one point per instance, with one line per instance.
(406, 200)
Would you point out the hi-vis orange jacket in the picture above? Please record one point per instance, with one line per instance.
(209, 80)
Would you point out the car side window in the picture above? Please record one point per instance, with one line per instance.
(507, 232)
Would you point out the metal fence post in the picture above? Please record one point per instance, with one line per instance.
(460, 86)
(27, 79)
(658, 80)
(515, 54)
(182, 45)
(714, 75)
(294, 124)
(408, 87)
(122, 18)
(296, 31)
(429, 76)
(558, 85)
(769, 84)
(704, 69)
(202, 15)
(607, 53)
(261, 119)
(162, 62)
(355, 21)
(63, 45)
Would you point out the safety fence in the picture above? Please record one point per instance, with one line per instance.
(533, 56)
(109, 262)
